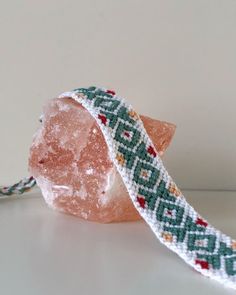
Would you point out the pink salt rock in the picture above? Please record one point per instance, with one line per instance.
(69, 160)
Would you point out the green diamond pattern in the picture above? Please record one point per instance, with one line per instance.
(171, 214)
(150, 180)
(134, 135)
(176, 211)
(196, 242)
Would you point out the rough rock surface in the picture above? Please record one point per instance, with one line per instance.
(70, 162)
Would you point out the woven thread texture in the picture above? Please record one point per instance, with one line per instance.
(152, 190)
(20, 187)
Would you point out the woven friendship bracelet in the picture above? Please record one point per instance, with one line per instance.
(152, 190)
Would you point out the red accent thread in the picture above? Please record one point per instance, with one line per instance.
(103, 119)
(201, 222)
(126, 133)
(151, 151)
(203, 264)
(112, 92)
(169, 212)
(141, 202)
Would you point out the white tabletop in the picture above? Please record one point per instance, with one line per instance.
(46, 252)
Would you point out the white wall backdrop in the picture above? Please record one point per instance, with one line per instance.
(173, 60)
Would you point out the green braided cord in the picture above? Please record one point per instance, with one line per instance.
(20, 187)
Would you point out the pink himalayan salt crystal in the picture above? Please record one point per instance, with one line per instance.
(70, 162)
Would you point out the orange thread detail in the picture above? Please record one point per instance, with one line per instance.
(167, 237)
(234, 245)
(133, 114)
(145, 174)
(120, 159)
(174, 190)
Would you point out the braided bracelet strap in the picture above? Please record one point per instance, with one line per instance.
(152, 190)
(20, 187)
